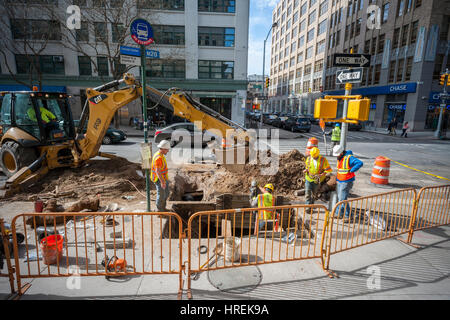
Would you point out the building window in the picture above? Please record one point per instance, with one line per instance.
(102, 66)
(367, 46)
(358, 27)
(318, 66)
(301, 42)
(418, 3)
(341, 15)
(292, 62)
(311, 17)
(309, 52)
(317, 83)
(400, 8)
(349, 8)
(414, 30)
(217, 6)
(177, 5)
(405, 35)
(322, 27)
(400, 70)
(82, 34)
(302, 26)
(295, 18)
(338, 37)
(47, 64)
(289, 10)
(217, 37)
(395, 38)
(208, 69)
(385, 12)
(287, 39)
(380, 43)
(312, 2)
(392, 72)
(307, 70)
(299, 73)
(323, 7)
(101, 32)
(320, 47)
(347, 29)
(84, 66)
(166, 68)
(306, 86)
(310, 35)
(377, 74)
(303, 9)
(293, 46)
(409, 62)
(118, 32)
(300, 57)
(286, 52)
(35, 29)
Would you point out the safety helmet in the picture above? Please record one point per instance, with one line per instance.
(269, 186)
(337, 150)
(315, 152)
(338, 125)
(164, 144)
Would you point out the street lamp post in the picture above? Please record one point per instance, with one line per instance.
(274, 25)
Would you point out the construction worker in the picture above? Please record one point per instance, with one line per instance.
(347, 165)
(160, 175)
(48, 118)
(265, 199)
(317, 167)
(336, 135)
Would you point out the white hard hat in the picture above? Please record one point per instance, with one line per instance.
(337, 150)
(164, 144)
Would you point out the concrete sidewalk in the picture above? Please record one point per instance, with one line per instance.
(389, 270)
(423, 135)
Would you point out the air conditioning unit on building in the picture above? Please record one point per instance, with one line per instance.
(58, 58)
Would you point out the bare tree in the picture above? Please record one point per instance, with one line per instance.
(25, 32)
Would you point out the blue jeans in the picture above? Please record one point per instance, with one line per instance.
(310, 189)
(161, 196)
(343, 190)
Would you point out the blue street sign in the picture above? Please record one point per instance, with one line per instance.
(130, 51)
(152, 54)
(141, 32)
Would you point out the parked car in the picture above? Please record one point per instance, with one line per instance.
(297, 124)
(195, 135)
(271, 118)
(354, 126)
(279, 122)
(112, 135)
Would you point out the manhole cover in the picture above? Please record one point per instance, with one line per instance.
(235, 280)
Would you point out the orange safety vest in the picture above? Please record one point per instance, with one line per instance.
(343, 169)
(164, 170)
(266, 200)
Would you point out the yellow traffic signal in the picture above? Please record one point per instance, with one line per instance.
(267, 82)
(442, 79)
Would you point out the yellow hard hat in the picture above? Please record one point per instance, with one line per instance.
(269, 186)
(314, 152)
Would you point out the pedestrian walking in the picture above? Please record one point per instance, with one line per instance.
(405, 130)
(160, 175)
(347, 165)
(317, 167)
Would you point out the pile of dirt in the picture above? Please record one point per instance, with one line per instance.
(286, 178)
(109, 178)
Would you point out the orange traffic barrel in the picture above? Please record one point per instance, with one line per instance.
(224, 143)
(312, 142)
(380, 172)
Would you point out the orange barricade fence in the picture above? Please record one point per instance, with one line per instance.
(97, 244)
(232, 238)
(432, 208)
(374, 218)
(6, 269)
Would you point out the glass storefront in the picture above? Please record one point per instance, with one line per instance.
(432, 119)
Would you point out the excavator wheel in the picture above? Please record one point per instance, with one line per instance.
(13, 157)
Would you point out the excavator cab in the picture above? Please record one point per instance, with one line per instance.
(29, 120)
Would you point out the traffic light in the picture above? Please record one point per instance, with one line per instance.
(442, 79)
(267, 82)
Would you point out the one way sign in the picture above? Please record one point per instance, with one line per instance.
(351, 60)
(349, 76)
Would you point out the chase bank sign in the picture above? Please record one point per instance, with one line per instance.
(398, 88)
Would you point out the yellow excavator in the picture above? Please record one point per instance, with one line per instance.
(39, 133)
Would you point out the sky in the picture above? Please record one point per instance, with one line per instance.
(260, 22)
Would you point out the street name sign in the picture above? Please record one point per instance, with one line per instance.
(351, 60)
(349, 76)
(152, 54)
(130, 60)
(132, 51)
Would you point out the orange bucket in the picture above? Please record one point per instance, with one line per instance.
(52, 248)
(380, 172)
(312, 142)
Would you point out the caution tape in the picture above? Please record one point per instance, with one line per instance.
(436, 176)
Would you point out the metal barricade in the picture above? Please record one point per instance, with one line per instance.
(234, 238)
(96, 244)
(432, 209)
(5, 255)
(373, 218)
